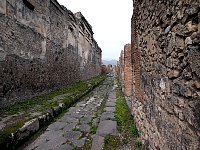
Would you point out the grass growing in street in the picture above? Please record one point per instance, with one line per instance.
(128, 134)
(72, 94)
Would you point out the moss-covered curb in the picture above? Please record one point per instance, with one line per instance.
(50, 106)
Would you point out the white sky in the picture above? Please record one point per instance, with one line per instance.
(110, 21)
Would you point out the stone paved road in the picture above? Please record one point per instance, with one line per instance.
(73, 130)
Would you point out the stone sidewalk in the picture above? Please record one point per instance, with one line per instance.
(107, 124)
(74, 129)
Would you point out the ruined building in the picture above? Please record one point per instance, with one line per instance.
(165, 57)
(43, 47)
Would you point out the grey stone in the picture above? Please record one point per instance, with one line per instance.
(110, 104)
(84, 128)
(64, 147)
(48, 135)
(110, 109)
(68, 119)
(79, 143)
(97, 143)
(107, 127)
(69, 127)
(107, 116)
(29, 127)
(112, 100)
(72, 135)
(56, 126)
(85, 120)
(44, 144)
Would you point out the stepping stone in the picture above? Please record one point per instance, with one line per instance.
(56, 126)
(110, 109)
(97, 142)
(107, 127)
(72, 135)
(107, 116)
(84, 128)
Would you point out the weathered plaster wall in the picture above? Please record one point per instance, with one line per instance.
(39, 49)
(166, 54)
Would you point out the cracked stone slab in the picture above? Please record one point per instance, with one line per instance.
(110, 109)
(72, 135)
(107, 127)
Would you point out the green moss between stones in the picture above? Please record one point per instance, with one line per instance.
(126, 125)
(45, 102)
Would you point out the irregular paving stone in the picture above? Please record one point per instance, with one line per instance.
(82, 114)
(85, 120)
(84, 128)
(107, 127)
(70, 127)
(79, 143)
(107, 116)
(110, 109)
(51, 134)
(64, 147)
(47, 144)
(72, 135)
(69, 119)
(110, 104)
(111, 100)
(56, 126)
(97, 143)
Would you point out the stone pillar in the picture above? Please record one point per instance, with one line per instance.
(127, 70)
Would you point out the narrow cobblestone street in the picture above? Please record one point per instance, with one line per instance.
(76, 128)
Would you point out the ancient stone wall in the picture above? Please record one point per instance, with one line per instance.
(166, 59)
(40, 49)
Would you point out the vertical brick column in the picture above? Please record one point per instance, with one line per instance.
(136, 57)
(127, 70)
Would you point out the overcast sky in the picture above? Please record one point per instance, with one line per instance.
(110, 21)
